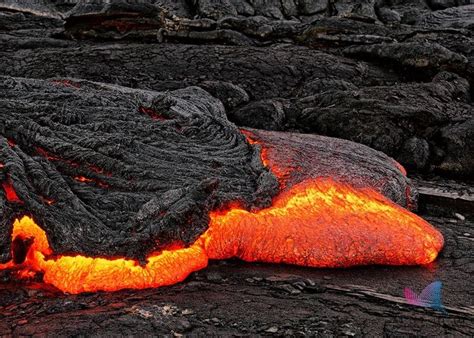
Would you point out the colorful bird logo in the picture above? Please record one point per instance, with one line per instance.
(429, 297)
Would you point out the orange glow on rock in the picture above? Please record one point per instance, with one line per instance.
(90, 180)
(46, 154)
(263, 152)
(279, 172)
(48, 201)
(318, 223)
(83, 179)
(401, 168)
(10, 192)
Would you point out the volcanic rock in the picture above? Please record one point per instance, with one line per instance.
(415, 151)
(113, 171)
(383, 117)
(403, 62)
(104, 168)
(292, 54)
(413, 55)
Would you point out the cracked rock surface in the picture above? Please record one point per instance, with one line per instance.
(376, 72)
(396, 76)
(113, 171)
(118, 172)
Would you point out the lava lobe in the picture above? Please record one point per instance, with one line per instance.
(105, 196)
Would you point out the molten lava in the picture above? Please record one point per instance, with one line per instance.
(318, 223)
(75, 274)
(280, 172)
(322, 223)
(10, 192)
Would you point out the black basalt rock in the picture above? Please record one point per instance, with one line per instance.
(111, 171)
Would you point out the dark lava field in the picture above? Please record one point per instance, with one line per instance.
(125, 125)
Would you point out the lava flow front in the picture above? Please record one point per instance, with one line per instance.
(319, 223)
(75, 274)
(323, 223)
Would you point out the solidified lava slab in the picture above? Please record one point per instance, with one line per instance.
(108, 171)
(296, 157)
(116, 172)
(395, 76)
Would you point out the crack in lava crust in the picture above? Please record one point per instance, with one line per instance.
(318, 223)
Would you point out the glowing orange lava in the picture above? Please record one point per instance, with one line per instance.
(10, 192)
(89, 180)
(319, 223)
(322, 223)
(279, 172)
(75, 274)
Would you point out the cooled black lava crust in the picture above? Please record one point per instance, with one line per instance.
(118, 172)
